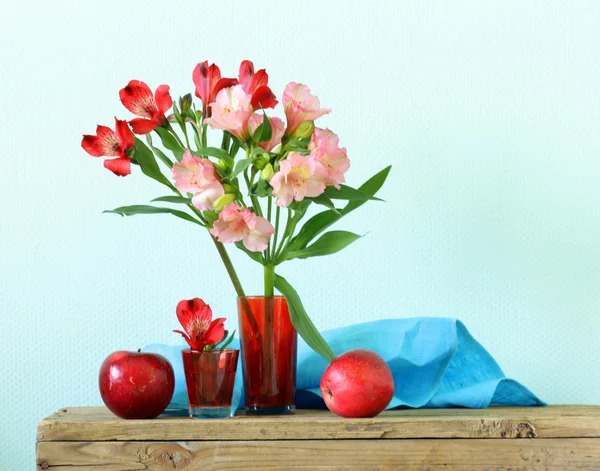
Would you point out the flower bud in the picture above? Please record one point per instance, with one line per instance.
(223, 201)
(262, 161)
(185, 103)
(267, 172)
(228, 188)
(305, 129)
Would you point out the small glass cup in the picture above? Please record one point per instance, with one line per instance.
(209, 378)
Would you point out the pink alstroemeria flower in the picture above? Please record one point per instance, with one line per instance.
(300, 106)
(231, 111)
(195, 316)
(137, 98)
(235, 224)
(208, 82)
(255, 85)
(198, 176)
(299, 176)
(107, 142)
(277, 127)
(324, 147)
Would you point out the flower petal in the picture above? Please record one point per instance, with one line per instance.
(105, 142)
(142, 125)
(215, 332)
(187, 309)
(137, 98)
(120, 166)
(263, 97)
(221, 84)
(163, 99)
(205, 198)
(258, 238)
(124, 135)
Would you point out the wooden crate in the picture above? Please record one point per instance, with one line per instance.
(557, 438)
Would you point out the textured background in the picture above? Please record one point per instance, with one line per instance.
(489, 111)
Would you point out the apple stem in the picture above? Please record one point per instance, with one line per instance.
(139, 350)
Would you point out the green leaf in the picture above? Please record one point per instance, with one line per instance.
(301, 321)
(210, 216)
(263, 132)
(147, 209)
(312, 228)
(324, 200)
(145, 158)
(240, 166)
(261, 188)
(329, 243)
(172, 199)
(177, 113)
(215, 152)
(371, 186)
(348, 193)
(228, 341)
(159, 153)
(256, 256)
(321, 221)
(169, 141)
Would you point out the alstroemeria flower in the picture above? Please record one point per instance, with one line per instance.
(198, 176)
(299, 176)
(231, 111)
(195, 316)
(255, 85)
(235, 224)
(107, 142)
(137, 98)
(300, 106)
(277, 127)
(324, 147)
(208, 83)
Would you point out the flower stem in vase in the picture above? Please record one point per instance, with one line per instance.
(269, 381)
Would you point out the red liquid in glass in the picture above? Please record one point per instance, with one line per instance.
(268, 343)
(210, 377)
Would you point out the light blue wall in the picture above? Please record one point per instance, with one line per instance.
(489, 111)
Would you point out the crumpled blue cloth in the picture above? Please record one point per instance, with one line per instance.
(435, 363)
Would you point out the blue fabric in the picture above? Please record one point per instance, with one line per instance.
(435, 363)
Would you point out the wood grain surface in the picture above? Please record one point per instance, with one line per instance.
(406, 455)
(98, 424)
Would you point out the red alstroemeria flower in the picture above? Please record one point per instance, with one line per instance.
(107, 142)
(195, 317)
(208, 83)
(255, 85)
(137, 98)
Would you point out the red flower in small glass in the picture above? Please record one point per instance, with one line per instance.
(208, 83)
(195, 316)
(137, 98)
(255, 85)
(107, 142)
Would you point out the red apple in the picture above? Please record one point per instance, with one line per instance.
(136, 385)
(358, 383)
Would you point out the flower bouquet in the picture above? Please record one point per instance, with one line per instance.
(253, 191)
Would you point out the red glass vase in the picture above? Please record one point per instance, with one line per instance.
(209, 377)
(269, 347)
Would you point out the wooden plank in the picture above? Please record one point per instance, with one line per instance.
(98, 424)
(408, 455)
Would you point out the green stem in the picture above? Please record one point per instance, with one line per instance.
(172, 131)
(289, 234)
(277, 213)
(269, 280)
(225, 142)
(229, 267)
